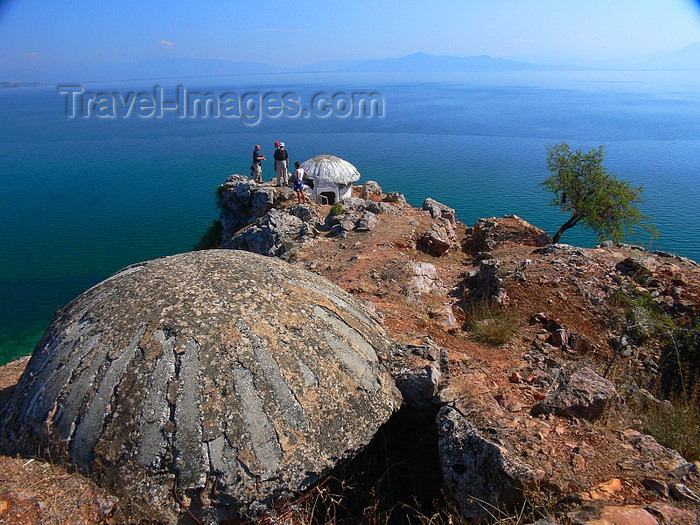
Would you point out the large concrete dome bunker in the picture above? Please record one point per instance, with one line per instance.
(216, 364)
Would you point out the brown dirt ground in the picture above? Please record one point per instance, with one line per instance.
(576, 454)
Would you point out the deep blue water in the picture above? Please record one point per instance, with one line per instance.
(82, 198)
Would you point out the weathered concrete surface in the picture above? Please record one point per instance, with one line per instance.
(208, 364)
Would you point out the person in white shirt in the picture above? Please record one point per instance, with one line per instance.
(298, 177)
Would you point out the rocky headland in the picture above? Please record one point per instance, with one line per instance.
(529, 374)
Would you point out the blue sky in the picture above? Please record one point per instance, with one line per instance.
(36, 33)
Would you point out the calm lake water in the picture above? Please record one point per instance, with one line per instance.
(82, 198)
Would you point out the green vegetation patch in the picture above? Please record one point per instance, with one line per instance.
(489, 322)
(336, 209)
(211, 238)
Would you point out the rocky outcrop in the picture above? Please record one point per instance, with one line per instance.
(274, 235)
(439, 239)
(419, 371)
(639, 267)
(213, 368)
(554, 334)
(242, 201)
(419, 386)
(489, 233)
(424, 280)
(439, 211)
(484, 283)
(581, 393)
(358, 215)
(371, 190)
(252, 220)
(628, 515)
(366, 222)
(478, 474)
(304, 213)
(395, 196)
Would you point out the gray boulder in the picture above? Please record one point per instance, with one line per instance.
(211, 367)
(395, 196)
(418, 386)
(371, 190)
(262, 201)
(424, 280)
(273, 235)
(304, 213)
(354, 204)
(436, 242)
(648, 452)
(485, 283)
(488, 233)
(479, 474)
(242, 201)
(236, 179)
(438, 210)
(366, 222)
(581, 394)
(382, 207)
(641, 267)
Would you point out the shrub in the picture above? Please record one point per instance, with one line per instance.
(644, 317)
(676, 425)
(211, 238)
(219, 192)
(336, 209)
(489, 323)
(680, 360)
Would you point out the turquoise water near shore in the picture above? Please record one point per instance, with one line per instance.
(82, 198)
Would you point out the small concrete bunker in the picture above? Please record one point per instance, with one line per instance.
(208, 368)
(333, 178)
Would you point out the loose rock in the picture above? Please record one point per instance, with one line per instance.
(582, 394)
(371, 190)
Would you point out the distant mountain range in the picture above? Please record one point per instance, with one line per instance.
(170, 67)
(422, 62)
(687, 58)
(19, 84)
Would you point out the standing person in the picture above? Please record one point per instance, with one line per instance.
(299, 175)
(256, 168)
(281, 164)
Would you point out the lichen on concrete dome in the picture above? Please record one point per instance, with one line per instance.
(214, 364)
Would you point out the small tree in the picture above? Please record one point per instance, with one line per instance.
(593, 197)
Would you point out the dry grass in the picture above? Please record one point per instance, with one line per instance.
(33, 491)
(393, 274)
(489, 323)
(676, 425)
(326, 508)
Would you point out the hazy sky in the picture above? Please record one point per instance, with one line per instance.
(36, 33)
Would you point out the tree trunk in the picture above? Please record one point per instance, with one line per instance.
(573, 221)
